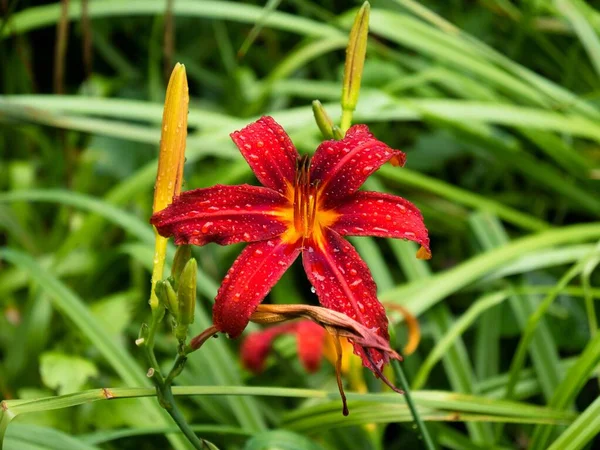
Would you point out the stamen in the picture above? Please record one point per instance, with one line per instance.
(305, 199)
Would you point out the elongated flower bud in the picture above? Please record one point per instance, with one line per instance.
(170, 161)
(172, 140)
(182, 256)
(355, 61)
(186, 297)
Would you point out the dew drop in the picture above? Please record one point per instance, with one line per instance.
(260, 144)
(353, 272)
(313, 290)
(206, 227)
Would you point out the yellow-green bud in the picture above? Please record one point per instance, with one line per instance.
(182, 256)
(167, 296)
(186, 296)
(355, 61)
(323, 121)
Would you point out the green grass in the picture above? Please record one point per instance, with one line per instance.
(496, 104)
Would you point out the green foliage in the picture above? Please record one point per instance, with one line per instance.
(495, 103)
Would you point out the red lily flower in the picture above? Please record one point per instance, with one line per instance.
(311, 343)
(305, 206)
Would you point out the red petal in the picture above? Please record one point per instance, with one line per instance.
(253, 274)
(311, 343)
(269, 152)
(222, 214)
(344, 283)
(382, 215)
(256, 346)
(341, 167)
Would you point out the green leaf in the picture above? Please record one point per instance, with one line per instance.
(280, 440)
(72, 307)
(585, 428)
(65, 373)
(32, 437)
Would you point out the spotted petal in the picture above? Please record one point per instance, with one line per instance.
(344, 283)
(222, 214)
(253, 274)
(341, 167)
(382, 215)
(269, 152)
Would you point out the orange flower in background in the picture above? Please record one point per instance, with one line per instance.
(305, 207)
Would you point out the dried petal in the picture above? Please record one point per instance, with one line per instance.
(382, 215)
(269, 152)
(344, 283)
(341, 167)
(222, 214)
(253, 274)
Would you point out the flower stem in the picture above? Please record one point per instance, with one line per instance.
(413, 409)
(168, 403)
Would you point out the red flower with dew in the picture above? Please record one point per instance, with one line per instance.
(305, 206)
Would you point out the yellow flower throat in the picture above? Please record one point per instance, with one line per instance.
(305, 216)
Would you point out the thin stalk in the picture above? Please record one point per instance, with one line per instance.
(168, 403)
(413, 409)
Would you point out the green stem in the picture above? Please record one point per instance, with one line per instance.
(149, 344)
(413, 409)
(168, 403)
(6, 415)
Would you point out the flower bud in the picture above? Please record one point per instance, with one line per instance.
(167, 296)
(182, 256)
(186, 296)
(355, 61)
(323, 121)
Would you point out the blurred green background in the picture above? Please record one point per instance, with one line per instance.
(495, 102)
